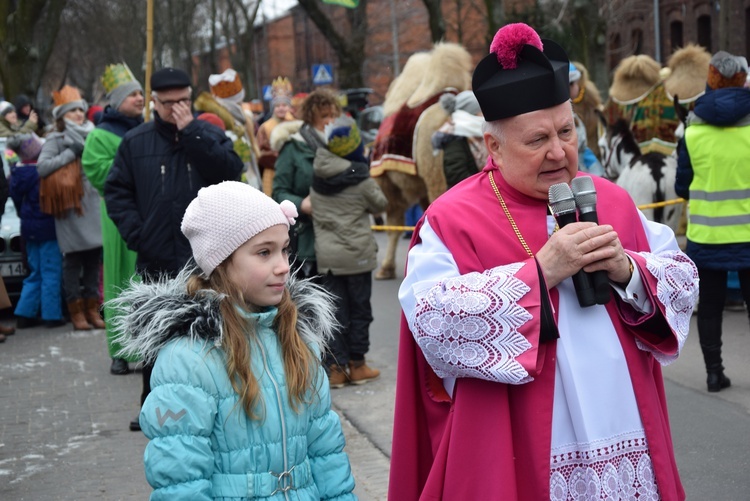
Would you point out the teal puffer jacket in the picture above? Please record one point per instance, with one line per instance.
(202, 444)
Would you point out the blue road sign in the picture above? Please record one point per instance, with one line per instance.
(322, 74)
(267, 94)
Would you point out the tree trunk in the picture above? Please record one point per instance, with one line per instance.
(495, 17)
(437, 21)
(349, 47)
(24, 56)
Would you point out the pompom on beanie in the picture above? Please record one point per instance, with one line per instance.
(226, 215)
(726, 70)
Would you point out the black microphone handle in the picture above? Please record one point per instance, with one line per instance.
(599, 278)
(585, 291)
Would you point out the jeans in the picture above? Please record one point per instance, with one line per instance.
(81, 274)
(41, 289)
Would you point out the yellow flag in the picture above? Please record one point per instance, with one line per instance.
(350, 4)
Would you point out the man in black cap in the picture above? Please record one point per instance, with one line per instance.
(507, 387)
(158, 169)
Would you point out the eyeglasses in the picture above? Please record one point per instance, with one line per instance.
(169, 104)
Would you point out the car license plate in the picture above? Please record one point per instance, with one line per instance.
(13, 269)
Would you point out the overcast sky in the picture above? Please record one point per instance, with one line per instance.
(273, 8)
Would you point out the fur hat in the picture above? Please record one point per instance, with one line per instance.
(5, 108)
(346, 142)
(66, 99)
(226, 215)
(726, 70)
(521, 74)
(28, 146)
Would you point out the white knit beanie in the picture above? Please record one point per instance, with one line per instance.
(226, 215)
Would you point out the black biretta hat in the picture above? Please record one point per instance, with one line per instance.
(522, 73)
(169, 78)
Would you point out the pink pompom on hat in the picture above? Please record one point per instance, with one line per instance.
(226, 215)
(522, 73)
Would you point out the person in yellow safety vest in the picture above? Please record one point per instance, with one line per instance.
(714, 174)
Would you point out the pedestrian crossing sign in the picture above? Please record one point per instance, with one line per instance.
(322, 74)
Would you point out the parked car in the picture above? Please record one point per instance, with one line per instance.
(13, 266)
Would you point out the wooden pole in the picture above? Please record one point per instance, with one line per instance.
(149, 54)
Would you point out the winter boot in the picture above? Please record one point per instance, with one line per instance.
(709, 332)
(77, 315)
(361, 373)
(91, 310)
(337, 376)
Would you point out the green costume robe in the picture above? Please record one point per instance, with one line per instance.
(119, 261)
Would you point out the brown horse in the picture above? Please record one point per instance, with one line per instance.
(403, 163)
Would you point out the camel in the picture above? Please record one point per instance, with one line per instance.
(403, 163)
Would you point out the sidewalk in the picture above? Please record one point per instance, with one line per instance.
(64, 424)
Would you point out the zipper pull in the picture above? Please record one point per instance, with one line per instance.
(163, 169)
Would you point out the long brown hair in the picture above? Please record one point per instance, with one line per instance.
(300, 363)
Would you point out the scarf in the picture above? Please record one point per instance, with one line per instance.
(77, 133)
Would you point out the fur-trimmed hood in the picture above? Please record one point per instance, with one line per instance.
(283, 133)
(148, 316)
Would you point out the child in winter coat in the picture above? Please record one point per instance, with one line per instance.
(239, 405)
(41, 291)
(343, 197)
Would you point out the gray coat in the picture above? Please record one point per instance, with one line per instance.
(74, 233)
(344, 242)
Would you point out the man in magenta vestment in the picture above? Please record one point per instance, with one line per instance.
(508, 388)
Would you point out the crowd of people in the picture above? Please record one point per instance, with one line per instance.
(232, 258)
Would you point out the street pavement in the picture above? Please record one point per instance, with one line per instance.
(64, 419)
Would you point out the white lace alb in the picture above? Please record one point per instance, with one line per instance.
(467, 326)
(618, 469)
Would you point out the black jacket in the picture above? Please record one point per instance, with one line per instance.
(156, 173)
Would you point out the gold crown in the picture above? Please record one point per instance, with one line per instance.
(66, 95)
(116, 75)
(225, 88)
(281, 87)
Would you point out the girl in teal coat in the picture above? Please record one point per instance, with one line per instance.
(239, 406)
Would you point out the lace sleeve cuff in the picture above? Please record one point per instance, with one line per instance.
(468, 326)
(674, 280)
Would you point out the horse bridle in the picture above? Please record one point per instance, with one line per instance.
(612, 147)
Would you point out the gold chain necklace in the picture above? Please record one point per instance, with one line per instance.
(507, 214)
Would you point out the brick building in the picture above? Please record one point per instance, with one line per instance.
(289, 45)
(631, 27)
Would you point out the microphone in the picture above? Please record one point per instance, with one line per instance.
(563, 207)
(585, 197)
